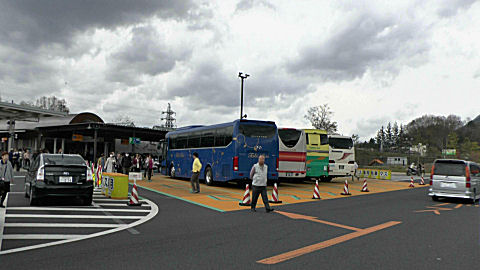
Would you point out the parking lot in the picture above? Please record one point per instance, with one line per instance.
(225, 196)
(60, 221)
(338, 233)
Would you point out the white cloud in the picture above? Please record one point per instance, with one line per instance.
(373, 63)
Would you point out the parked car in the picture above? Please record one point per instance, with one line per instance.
(455, 178)
(57, 175)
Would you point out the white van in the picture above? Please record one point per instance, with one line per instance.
(455, 178)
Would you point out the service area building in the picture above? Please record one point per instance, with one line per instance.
(83, 133)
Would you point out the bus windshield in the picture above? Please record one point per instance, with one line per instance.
(340, 143)
(289, 137)
(257, 131)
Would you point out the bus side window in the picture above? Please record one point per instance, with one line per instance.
(181, 142)
(228, 135)
(220, 137)
(314, 139)
(323, 139)
(208, 138)
(194, 139)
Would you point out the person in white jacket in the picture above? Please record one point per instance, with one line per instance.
(110, 163)
(259, 175)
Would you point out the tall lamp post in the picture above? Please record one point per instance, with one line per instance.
(243, 77)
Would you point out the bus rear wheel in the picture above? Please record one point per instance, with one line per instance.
(208, 176)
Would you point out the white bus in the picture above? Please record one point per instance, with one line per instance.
(341, 156)
(292, 153)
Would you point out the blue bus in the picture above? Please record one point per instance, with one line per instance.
(227, 151)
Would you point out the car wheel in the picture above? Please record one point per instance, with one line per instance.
(33, 200)
(87, 201)
(172, 172)
(208, 176)
(435, 198)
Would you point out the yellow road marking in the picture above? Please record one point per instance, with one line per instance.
(314, 219)
(337, 240)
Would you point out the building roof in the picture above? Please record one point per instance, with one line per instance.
(67, 119)
(25, 112)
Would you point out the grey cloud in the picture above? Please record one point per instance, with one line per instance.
(210, 83)
(32, 23)
(146, 54)
(452, 7)
(249, 4)
(366, 42)
(207, 84)
(22, 68)
(369, 127)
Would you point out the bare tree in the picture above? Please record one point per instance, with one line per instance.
(50, 103)
(124, 120)
(320, 118)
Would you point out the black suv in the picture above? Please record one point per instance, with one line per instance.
(59, 175)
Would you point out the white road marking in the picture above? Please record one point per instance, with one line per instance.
(113, 200)
(62, 225)
(2, 219)
(77, 209)
(71, 216)
(152, 214)
(40, 236)
(119, 204)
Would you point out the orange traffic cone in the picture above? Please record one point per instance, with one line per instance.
(246, 197)
(411, 182)
(422, 181)
(275, 194)
(316, 192)
(365, 188)
(345, 189)
(134, 196)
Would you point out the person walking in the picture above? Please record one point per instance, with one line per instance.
(26, 157)
(149, 167)
(259, 174)
(110, 163)
(196, 168)
(355, 167)
(126, 163)
(137, 163)
(6, 174)
(118, 163)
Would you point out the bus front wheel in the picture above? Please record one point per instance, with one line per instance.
(208, 176)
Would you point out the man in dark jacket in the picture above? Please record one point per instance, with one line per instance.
(126, 163)
(6, 176)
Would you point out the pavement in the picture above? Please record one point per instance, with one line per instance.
(402, 229)
(226, 196)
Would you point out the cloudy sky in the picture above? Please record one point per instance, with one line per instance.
(371, 61)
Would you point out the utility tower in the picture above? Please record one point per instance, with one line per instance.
(169, 119)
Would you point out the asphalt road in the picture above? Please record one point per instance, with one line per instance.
(187, 236)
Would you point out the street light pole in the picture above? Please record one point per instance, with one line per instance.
(243, 77)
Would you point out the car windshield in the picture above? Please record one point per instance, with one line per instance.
(63, 160)
(289, 137)
(340, 143)
(257, 131)
(450, 167)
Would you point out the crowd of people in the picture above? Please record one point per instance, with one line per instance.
(126, 162)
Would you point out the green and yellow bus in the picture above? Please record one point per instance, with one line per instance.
(317, 153)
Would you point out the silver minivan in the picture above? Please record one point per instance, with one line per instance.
(455, 178)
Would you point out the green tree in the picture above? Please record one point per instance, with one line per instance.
(466, 148)
(452, 140)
